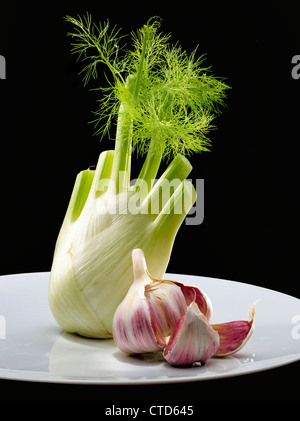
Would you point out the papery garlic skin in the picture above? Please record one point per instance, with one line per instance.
(195, 294)
(193, 340)
(167, 304)
(234, 335)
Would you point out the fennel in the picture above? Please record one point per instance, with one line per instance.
(164, 103)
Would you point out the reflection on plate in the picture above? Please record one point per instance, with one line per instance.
(33, 347)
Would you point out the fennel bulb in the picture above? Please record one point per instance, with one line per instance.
(92, 270)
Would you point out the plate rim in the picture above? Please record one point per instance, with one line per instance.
(47, 377)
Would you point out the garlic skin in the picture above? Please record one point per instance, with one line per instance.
(234, 335)
(167, 304)
(194, 294)
(193, 340)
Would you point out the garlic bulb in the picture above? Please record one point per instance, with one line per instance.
(150, 311)
(166, 315)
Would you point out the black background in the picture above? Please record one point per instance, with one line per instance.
(249, 232)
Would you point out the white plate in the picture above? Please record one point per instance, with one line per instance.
(33, 347)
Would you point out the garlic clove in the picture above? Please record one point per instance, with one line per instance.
(234, 335)
(134, 330)
(134, 327)
(193, 340)
(149, 311)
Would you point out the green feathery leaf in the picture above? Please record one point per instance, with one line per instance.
(175, 98)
